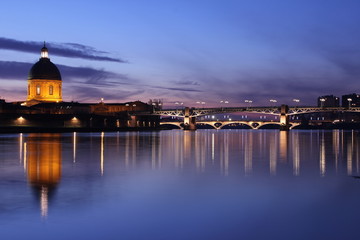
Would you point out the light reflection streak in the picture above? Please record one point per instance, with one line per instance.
(350, 147)
(153, 153)
(336, 147)
(20, 146)
(197, 150)
(102, 154)
(127, 142)
(273, 155)
(296, 155)
(322, 156)
(74, 147)
(213, 148)
(159, 147)
(248, 154)
(44, 202)
(283, 145)
(25, 156)
(226, 154)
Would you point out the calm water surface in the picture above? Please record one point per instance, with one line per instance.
(207, 184)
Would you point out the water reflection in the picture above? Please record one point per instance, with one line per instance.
(227, 153)
(42, 160)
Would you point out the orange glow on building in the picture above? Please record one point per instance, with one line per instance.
(44, 81)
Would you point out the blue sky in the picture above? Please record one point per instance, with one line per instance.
(185, 51)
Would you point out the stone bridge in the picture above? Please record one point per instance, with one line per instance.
(189, 114)
(220, 124)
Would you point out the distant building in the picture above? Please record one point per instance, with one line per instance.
(44, 81)
(352, 100)
(328, 101)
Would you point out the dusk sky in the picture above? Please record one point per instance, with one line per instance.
(185, 51)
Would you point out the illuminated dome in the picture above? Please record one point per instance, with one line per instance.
(44, 80)
(44, 68)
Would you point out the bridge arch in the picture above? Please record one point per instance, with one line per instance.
(249, 124)
(261, 125)
(172, 124)
(206, 124)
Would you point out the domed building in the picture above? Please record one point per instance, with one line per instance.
(44, 80)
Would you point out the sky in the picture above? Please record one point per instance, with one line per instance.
(185, 51)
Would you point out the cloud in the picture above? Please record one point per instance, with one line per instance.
(187, 82)
(177, 89)
(92, 76)
(71, 50)
(85, 93)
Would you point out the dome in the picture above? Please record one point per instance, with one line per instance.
(44, 69)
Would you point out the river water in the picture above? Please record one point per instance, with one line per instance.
(205, 184)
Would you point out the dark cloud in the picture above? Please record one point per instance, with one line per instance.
(19, 71)
(72, 50)
(177, 89)
(86, 93)
(187, 82)
(92, 76)
(14, 70)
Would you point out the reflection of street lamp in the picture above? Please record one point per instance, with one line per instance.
(322, 100)
(349, 100)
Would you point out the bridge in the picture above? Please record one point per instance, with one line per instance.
(220, 124)
(284, 111)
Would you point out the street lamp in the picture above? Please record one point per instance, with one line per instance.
(273, 101)
(349, 100)
(249, 102)
(225, 101)
(322, 100)
(296, 101)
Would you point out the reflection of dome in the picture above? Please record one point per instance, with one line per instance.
(44, 69)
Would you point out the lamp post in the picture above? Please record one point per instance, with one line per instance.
(296, 101)
(221, 103)
(274, 101)
(349, 100)
(249, 102)
(322, 100)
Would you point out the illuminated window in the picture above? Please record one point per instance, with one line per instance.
(51, 90)
(38, 89)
